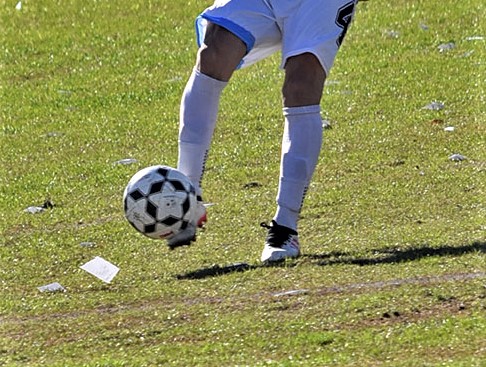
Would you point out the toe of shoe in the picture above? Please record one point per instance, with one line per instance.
(273, 254)
(183, 238)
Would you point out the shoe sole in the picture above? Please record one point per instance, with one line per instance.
(280, 259)
(181, 243)
(187, 242)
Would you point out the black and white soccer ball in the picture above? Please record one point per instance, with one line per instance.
(159, 202)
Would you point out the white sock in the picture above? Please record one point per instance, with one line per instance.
(198, 114)
(301, 145)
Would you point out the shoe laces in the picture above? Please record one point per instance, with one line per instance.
(277, 235)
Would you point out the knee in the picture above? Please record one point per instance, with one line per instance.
(304, 81)
(220, 54)
(208, 62)
(298, 91)
(213, 61)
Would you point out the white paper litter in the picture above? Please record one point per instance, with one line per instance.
(457, 157)
(53, 287)
(392, 34)
(446, 46)
(467, 53)
(332, 82)
(434, 106)
(295, 292)
(53, 134)
(449, 128)
(19, 5)
(475, 38)
(34, 209)
(174, 79)
(87, 244)
(101, 269)
(126, 161)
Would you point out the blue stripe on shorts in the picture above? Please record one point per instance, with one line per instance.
(234, 28)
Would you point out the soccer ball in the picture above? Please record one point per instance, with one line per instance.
(159, 202)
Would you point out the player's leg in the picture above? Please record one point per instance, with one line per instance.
(301, 144)
(312, 35)
(216, 61)
(302, 139)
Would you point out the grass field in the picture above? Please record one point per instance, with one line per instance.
(393, 231)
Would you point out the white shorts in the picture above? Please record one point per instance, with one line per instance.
(292, 26)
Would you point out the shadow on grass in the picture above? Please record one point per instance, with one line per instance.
(381, 256)
(216, 270)
(396, 255)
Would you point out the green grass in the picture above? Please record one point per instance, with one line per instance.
(393, 232)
